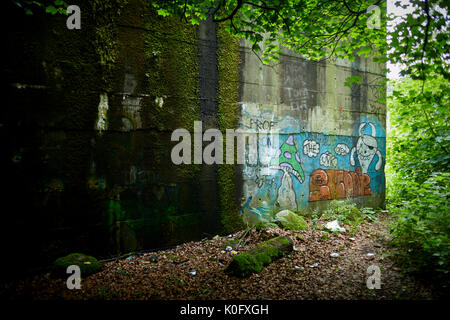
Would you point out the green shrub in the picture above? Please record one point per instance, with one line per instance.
(344, 211)
(422, 229)
(417, 174)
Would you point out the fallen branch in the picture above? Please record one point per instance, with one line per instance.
(254, 260)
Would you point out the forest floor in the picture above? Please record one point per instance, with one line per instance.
(195, 270)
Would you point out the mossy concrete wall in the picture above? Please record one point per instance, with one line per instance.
(88, 116)
(87, 126)
(331, 137)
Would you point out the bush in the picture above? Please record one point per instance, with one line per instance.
(417, 174)
(344, 211)
(422, 228)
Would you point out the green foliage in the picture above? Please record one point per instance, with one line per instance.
(323, 29)
(314, 29)
(344, 211)
(422, 228)
(369, 213)
(419, 40)
(51, 7)
(419, 135)
(417, 173)
(347, 212)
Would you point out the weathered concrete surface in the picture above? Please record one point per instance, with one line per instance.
(332, 140)
(88, 116)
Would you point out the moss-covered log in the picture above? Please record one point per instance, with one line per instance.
(254, 260)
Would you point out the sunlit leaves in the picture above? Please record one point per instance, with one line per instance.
(418, 172)
(315, 29)
(50, 7)
(353, 79)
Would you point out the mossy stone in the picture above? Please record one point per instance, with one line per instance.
(263, 258)
(291, 221)
(88, 264)
(254, 260)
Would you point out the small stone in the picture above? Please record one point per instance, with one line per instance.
(223, 251)
(294, 248)
(351, 239)
(370, 256)
(193, 272)
(334, 255)
(314, 265)
(299, 268)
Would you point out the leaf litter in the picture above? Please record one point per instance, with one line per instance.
(195, 271)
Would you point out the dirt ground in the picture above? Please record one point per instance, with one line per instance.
(195, 271)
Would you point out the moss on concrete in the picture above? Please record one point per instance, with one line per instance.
(172, 82)
(228, 118)
(105, 43)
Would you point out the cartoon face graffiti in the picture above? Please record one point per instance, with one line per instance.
(366, 149)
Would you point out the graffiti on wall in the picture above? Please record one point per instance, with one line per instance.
(288, 161)
(334, 167)
(366, 149)
(332, 184)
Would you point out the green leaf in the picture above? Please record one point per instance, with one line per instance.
(163, 12)
(51, 10)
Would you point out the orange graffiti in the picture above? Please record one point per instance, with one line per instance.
(338, 184)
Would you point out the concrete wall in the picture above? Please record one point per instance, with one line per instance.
(331, 138)
(88, 116)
